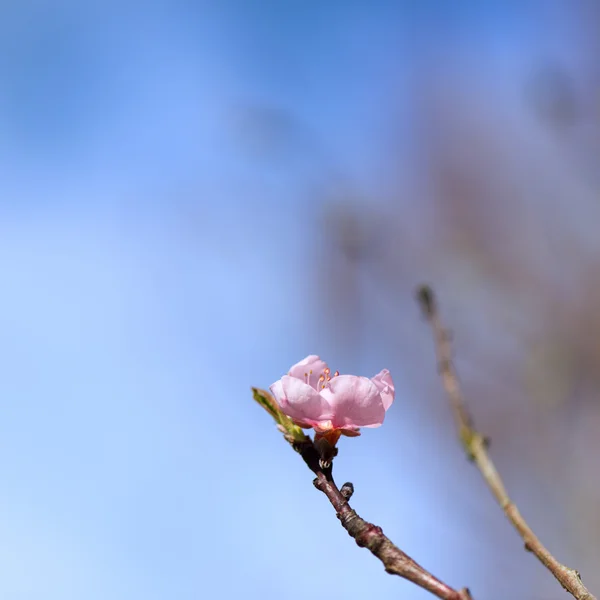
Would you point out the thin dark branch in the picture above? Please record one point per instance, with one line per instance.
(371, 536)
(475, 447)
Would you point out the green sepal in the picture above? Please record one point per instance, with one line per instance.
(290, 430)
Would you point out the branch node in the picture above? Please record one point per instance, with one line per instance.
(469, 438)
(371, 534)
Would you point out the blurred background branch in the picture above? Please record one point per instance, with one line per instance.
(475, 446)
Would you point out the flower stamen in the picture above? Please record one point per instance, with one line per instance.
(325, 377)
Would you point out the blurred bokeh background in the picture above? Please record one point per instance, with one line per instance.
(196, 195)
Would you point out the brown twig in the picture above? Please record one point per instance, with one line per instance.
(475, 446)
(371, 536)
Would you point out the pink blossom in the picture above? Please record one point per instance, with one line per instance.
(333, 404)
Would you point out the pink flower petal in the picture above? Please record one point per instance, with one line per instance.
(354, 432)
(355, 402)
(323, 426)
(305, 424)
(277, 391)
(309, 370)
(385, 385)
(300, 401)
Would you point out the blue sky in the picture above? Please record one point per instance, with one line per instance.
(154, 268)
